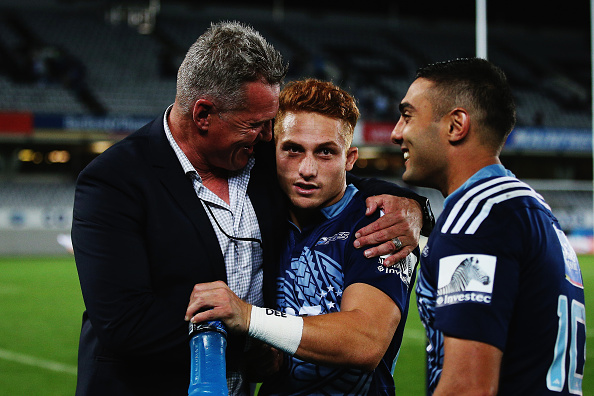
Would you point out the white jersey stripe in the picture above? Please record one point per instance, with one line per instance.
(495, 200)
(469, 194)
(507, 183)
(470, 209)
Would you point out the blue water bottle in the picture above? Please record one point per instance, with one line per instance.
(208, 342)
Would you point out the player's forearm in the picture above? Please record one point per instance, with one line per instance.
(358, 335)
(469, 368)
(346, 338)
(354, 337)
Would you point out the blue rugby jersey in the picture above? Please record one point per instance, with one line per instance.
(498, 269)
(318, 263)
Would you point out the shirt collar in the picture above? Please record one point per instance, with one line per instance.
(335, 209)
(484, 173)
(185, 162)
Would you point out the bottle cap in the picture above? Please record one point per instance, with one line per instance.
(211, 325)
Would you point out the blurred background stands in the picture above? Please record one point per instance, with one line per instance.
(76, 76)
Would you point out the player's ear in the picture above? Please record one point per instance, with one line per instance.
(459, 124)
(202, 109)
(351, 157)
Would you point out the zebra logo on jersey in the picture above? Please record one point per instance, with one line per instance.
(465, 272)
(465, 278)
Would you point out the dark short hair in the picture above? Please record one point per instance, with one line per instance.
(473, 83)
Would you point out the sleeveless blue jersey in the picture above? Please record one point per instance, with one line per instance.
(498, 269)
(318, 264)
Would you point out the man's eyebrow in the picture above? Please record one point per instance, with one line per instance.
(403, 106)
(289, 142)
(330, 143)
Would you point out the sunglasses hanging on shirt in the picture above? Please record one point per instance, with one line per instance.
(227, 235)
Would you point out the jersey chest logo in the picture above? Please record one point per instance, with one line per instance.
(340, 236)
(465, 278)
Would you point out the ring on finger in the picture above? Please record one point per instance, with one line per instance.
(397, 243)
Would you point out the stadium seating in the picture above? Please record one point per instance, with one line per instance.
(123, 70)
(25, 193)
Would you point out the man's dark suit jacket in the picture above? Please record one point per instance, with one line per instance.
(141, 241)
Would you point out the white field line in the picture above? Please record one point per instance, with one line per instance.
(37, 362)
(68, 369)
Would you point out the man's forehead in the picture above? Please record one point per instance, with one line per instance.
(261, 96)
(418, 93)
(309, 126)
(310, 120)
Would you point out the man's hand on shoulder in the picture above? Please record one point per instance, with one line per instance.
(402, 219)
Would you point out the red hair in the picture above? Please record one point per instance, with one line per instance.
(320, 97)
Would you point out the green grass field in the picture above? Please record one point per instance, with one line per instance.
(40, 317)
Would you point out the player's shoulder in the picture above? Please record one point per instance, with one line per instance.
(354, 215)
(489, 200)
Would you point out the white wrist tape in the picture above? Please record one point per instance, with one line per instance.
(276, 328)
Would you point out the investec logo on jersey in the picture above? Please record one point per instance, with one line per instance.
(404, 268)
(465, 278)
(338, 236)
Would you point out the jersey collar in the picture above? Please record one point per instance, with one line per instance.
(484, 173)
(335, 209)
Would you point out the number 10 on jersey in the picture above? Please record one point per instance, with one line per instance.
(571, 318)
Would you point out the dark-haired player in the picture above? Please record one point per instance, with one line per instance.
(500, 289)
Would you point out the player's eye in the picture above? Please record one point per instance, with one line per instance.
(291, 148)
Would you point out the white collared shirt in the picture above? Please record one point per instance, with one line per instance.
(243, 260)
